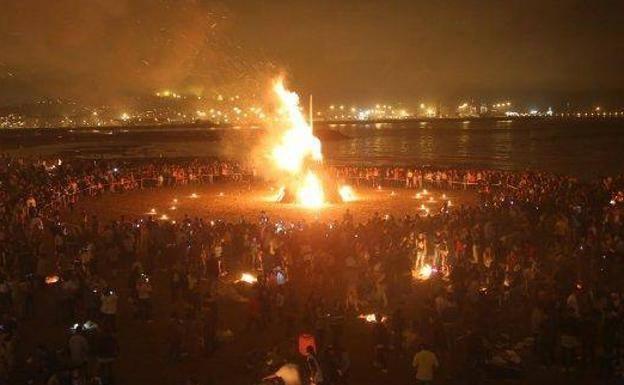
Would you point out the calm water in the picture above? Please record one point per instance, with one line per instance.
(582, 147)
(567, 146)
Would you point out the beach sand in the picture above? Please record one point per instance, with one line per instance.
(233, 201)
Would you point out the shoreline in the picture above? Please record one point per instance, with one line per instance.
(207, 125)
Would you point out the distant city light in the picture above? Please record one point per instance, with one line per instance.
(220, 108)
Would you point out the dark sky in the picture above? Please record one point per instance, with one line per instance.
(355, 51)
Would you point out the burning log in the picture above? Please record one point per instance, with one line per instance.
(297, 155)
(314, 193)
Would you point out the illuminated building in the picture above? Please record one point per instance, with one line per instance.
(467, 110)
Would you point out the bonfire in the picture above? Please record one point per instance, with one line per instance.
(297, 156)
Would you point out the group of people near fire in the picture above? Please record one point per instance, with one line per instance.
(530, 275)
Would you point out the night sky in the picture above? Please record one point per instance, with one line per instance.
(356, 51)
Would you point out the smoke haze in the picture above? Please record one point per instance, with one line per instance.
(98, 50)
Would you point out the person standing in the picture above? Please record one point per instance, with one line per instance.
(425, 362)
(314, 367)
(108, 308)
(421, 251)
(381, 338)
(78, 353)
(398, 326)
(340, 364)
(175, 330)
(211, 322)
(107, 351)
(569, 340)
(144, 295)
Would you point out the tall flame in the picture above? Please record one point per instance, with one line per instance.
(296, 148)
(298, 142)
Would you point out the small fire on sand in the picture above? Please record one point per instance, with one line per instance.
(51, 279)
(424, 273)
(247, 278)
(372, 318)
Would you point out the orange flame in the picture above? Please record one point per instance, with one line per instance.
(424, 273)
(372, 318)
(296, 147)
(346, 193)
(310, 192)
(298, 142)
(51, 279)
(247, 278)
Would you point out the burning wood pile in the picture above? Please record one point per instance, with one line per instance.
(296, 154)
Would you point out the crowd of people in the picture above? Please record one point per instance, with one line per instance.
(528, 277)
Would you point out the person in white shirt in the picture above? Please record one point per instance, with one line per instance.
(425, 362)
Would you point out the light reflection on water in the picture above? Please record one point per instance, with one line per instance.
(577, 147)
(582, 147)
